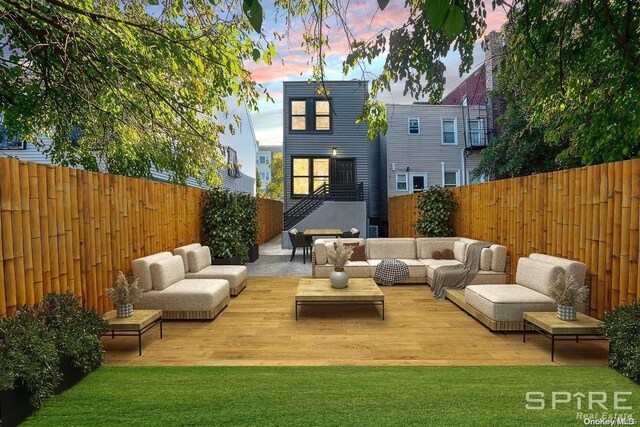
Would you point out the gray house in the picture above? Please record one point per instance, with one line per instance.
(330, 167)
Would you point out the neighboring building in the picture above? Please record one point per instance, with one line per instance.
(330, 167)
(264, 158)
(240, 150)
(430, 145)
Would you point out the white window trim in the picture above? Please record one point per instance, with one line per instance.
(457, 176)
(455, 130)
(406, 178)
(409, 125)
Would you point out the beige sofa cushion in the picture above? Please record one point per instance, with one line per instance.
(499, 257)
(320, 247)
(391, 248)
(571, 268)
(485, 259)
(234, 274)
(186, 295)
(416, 267)
(426, 246)
(460, 250)
(142, 269)
(183, 251)
(432, 264)
(506, 302)
(199, 258)
(166, 272)
(536, 275)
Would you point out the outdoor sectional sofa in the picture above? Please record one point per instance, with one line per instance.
(500, 307)
(417, 254)
(162, 278)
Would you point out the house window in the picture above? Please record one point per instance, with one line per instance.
(265, 176)
(233, 169)
(476, 133)
(323, 117)
(309, 174)
(448, 131)
(311, 115)
(401, 182)
(263, 160)
(8, 143)
(298, 115)
(450, 179)
(414, 126)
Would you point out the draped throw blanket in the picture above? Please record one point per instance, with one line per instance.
(458, 276)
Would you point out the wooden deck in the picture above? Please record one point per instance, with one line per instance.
(259, 328)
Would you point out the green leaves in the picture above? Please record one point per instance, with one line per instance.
(382, 4)
(445, 16)
(435, 206)
(253, 11)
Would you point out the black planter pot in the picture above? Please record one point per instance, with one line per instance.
(253, 253)
(15, 406)
(234, 260)
(70, 375)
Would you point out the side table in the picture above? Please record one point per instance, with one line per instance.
(136, 325)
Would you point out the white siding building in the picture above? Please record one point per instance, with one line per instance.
(264, 159)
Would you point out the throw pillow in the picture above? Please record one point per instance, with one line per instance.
(447, 254)
(358, 252)
(436, 255)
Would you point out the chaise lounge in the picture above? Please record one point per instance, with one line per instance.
(500, 307)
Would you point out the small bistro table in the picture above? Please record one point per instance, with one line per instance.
(548, 324)
(136, 325)
(310, 233)
(320, 292)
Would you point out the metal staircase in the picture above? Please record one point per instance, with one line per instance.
(305, 206)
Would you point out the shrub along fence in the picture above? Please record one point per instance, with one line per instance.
(589, 214)
(64, 228)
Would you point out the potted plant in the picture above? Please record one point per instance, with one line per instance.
(124, 294)
(76, 332)
(28, 365)
(229, 225)
(436, 205)
(622, 327)
(567, 293)
(339, 255)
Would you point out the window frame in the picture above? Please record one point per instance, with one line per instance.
(310, 115)
(457, 174)
(455, 131)
(232, 163)
(406, 182)
(409, 125)
(479, 132)
(310, 177)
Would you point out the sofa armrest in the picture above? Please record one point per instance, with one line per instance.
(498, 258)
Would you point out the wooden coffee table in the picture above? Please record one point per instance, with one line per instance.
(136, 325)
(320, 292)
(548, 324)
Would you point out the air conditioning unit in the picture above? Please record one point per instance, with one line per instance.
(373, 231)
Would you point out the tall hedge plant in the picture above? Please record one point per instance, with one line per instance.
(229, 223)
(622, 327)
(436, 205)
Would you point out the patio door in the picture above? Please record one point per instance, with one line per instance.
(418, 182)
(343, 178)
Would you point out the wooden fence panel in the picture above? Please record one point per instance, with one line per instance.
(269, 219)
(71, 229)
(589, 214)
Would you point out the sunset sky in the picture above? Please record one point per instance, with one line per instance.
(364, 20)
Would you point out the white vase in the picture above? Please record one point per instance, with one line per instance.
(567, 312)
(124, 310)
(339, 279)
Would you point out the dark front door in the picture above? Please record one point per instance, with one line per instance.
(343, 179)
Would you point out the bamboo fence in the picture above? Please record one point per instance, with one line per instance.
(64, 228)
(588, 214)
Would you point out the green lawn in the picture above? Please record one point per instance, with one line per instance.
(329, 396)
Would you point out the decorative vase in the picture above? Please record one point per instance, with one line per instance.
(339, 279)
(567, 312)
(124, 310)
